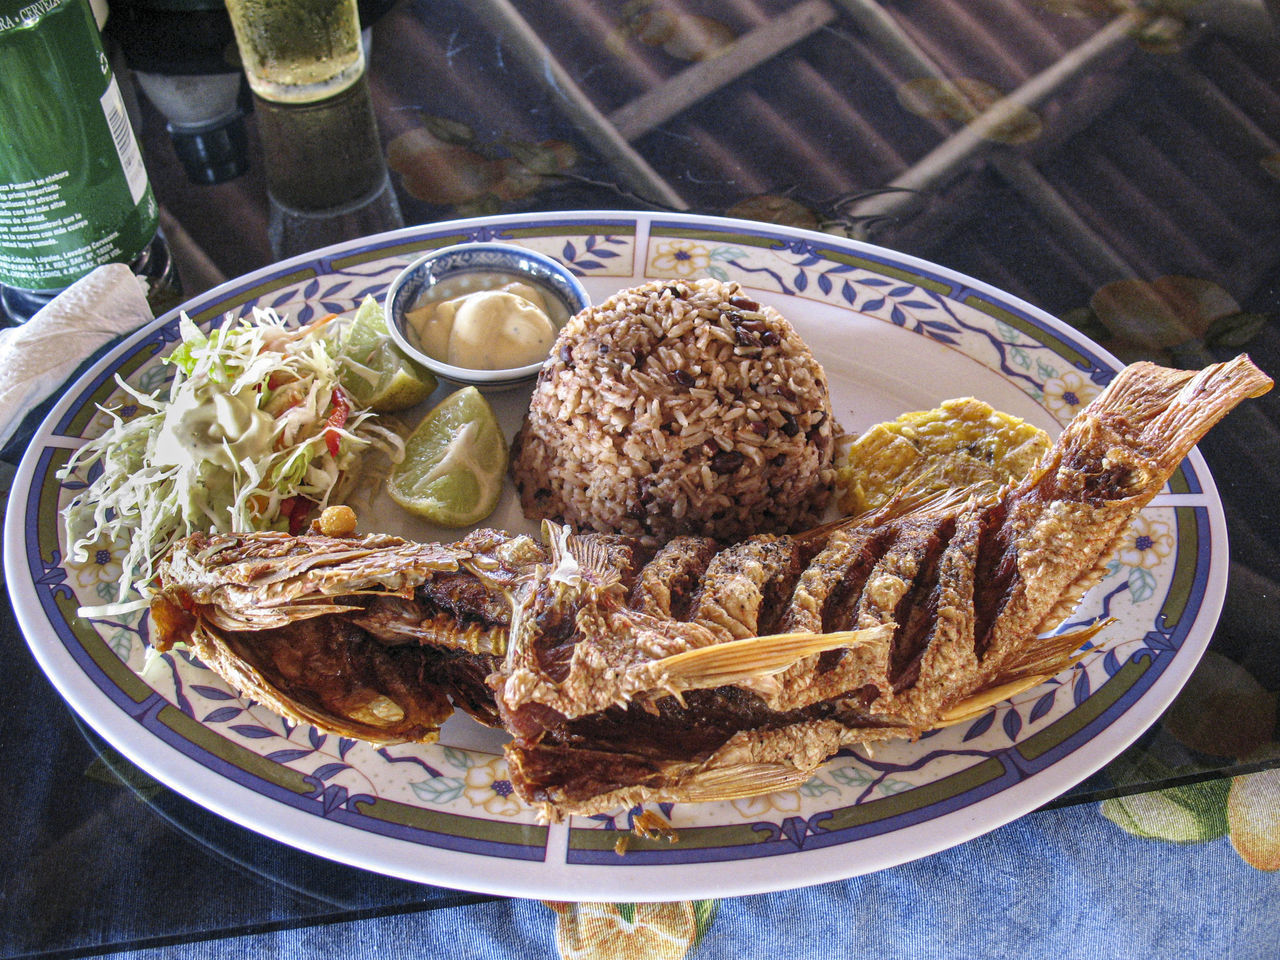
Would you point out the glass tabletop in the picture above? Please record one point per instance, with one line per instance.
(1117, 165)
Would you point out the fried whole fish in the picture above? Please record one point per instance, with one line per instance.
(376, 638)
(700, 672)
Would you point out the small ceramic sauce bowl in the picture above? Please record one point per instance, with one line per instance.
(466, 268)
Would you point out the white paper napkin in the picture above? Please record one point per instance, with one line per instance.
(38, 357)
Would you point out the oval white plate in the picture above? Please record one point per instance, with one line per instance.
(894, 334)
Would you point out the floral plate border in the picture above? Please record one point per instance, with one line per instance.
(444, 814)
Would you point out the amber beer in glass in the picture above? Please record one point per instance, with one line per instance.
(298, 51)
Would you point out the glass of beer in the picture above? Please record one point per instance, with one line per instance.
(298, 51)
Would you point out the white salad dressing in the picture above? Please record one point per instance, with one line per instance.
(214, 428)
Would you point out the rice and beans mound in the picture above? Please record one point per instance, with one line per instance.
(678, 407)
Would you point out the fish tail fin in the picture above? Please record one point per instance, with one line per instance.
(1201, 398)
(1170, 410)
(1147, 388)
(1131, 438)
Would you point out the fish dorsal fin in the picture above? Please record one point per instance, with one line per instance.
(906, 504)
(912, 501)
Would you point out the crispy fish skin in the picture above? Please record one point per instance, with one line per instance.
(577, 648)
(667, 584)
(745, 583)
(619, 689)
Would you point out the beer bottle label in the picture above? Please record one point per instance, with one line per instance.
(73, 191)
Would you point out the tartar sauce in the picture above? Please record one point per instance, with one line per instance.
(507, 323)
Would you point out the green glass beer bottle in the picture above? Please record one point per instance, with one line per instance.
(73, 190)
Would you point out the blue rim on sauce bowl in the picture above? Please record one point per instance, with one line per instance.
(411, 287)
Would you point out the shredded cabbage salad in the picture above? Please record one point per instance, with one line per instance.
(256, 433)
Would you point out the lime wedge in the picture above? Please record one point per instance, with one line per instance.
(454, 462)
(376, 373)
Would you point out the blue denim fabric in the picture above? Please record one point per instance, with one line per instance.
(1062, 883)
